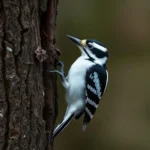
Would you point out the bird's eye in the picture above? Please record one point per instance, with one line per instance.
(90, 46)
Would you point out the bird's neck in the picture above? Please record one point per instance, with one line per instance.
(99, 61)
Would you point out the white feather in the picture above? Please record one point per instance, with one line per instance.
(99, 47)
(76, 79)
(106, 81)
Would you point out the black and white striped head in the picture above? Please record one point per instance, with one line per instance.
(92, 50)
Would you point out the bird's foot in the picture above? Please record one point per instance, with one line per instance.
(60, 73)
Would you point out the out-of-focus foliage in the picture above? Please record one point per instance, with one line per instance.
(122, 121)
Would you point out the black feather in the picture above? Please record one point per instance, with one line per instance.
(91, 95)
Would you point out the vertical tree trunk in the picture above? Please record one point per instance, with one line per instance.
(27, 91)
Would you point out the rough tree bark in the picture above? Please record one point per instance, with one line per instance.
(27, 91)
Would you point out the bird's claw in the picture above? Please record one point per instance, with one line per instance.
(61, 73)
(60, 63)
(52, 70)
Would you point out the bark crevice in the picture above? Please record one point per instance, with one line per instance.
(6, 114)
(47, 32)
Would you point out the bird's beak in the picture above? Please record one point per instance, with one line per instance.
(77, 41)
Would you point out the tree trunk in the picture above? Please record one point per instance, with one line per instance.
(27, 92)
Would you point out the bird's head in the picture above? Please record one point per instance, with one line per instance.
(92, 50)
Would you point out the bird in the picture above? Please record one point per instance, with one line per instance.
(85, 83)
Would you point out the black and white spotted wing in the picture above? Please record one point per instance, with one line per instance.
(96, 82)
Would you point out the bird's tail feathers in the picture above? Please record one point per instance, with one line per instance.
(84, 127)
(62, 125)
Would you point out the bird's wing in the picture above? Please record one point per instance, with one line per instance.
(96, 82)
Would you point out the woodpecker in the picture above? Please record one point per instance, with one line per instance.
(85, 83)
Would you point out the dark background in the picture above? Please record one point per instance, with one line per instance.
(122, 121)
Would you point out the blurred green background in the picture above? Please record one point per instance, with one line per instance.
(122, 121)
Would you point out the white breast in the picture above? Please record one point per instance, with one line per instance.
(76, 79)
